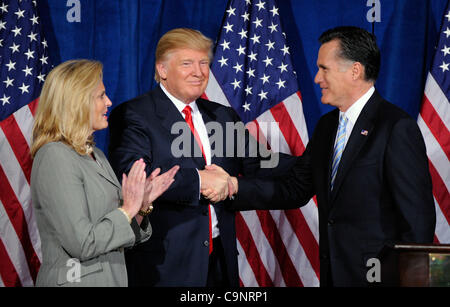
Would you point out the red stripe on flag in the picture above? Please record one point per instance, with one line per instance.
(435, 124)
(16, 215)
(251, 252)
(255, 130)
(306, 237)
(440, 191)
(33, 105)
(7, 270)
(270, 229)
(287, 127)
(295, 217)
(18, 144)
(436, 240)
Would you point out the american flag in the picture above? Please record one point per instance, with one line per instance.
(24, 64)
(252, 72)
(434, 122)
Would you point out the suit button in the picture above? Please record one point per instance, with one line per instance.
(205, 213)
(330, 222)
(206, 243)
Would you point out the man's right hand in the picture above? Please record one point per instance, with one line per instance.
(215, 185)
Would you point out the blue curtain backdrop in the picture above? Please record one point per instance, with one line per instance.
(123, 35)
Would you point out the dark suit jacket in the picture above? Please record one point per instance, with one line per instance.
(382, 191)
(177, 253)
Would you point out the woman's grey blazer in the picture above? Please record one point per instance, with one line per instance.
(83, 234)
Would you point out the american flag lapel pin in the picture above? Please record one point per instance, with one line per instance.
(364, 132)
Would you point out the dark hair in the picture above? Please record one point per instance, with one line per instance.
(356, 45)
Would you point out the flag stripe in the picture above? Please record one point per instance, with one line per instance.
(18, 144)
(214, 92)
(24, 119)
(251, 252)
(296, 251)
(440, 192)
(435, 153)
(436, 125)
(438, 99)
(246, 269)
(256, 131)
(8, 273)
(268, 258)
(20, 186)
(287, 127)
(311, 214)
(271, 131)
(273, 236)
(305, 236)
(16, 216)
(33, 105)
(294, 107)
(442, 233)
(14, 249)
(295, 217)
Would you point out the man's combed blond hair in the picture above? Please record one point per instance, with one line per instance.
(180, 38)
(64, 109)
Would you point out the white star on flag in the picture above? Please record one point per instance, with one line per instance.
(24, 88)
(444, 66)
(5, 100)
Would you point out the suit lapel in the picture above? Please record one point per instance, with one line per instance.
(169, 115)
(104, 169)
(362, 130)
(165, 109)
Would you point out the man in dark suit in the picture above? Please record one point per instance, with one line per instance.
(193, 242)
(366, 162)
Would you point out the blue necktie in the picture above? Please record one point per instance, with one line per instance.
(338, 147)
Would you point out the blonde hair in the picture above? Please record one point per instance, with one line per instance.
(64, 109)
(180, 38)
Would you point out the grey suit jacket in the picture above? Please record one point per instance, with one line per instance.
(83, 235)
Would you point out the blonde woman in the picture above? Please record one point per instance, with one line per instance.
(85, 216)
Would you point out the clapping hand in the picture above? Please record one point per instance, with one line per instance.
(157, 184)
(133, 187)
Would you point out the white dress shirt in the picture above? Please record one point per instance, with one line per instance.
(353, 112)
(200, 127)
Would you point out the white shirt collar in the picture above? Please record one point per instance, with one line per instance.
(178, 103)
(353, 112)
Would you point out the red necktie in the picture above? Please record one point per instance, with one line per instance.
(188, 118)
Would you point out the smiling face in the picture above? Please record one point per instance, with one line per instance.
(184, 73)
(334, 76)
(101, 102)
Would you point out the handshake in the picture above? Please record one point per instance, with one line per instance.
(216, 184)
